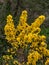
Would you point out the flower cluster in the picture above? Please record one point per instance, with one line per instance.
(33, 57)
(47, 61)
(9, 28)
(9, 60)
(23, 36)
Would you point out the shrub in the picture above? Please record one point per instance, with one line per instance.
(27, 46)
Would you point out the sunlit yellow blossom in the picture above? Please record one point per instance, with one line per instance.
(47, 52)
(47, 62)
(26, 37)
(18, 39)
(34, 44)
(33, 57)
(24, 12)
(33, 63)
(23, 17)
(9, 19)
(43, 44)
(30, 37)
(9, 29)
(38, 21)
(43, 37)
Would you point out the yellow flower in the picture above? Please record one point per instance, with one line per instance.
(34, 44)
(33, 57)
(42, 17)
(43, 37)
(38, 21)
(18, 39)
(24, 12)
(9, 19)
(30, 37)
(47, 52)
(47, 62)
(25, 36)
(23, 17)
(44, 44)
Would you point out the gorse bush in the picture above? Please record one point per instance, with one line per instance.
(24, 37)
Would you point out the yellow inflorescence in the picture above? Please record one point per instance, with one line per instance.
(33, 58)
(47, 61)
(24, 36)
(9, 28)
(7, 57)
(38, 21)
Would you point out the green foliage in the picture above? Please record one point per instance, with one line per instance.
(45, 31)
